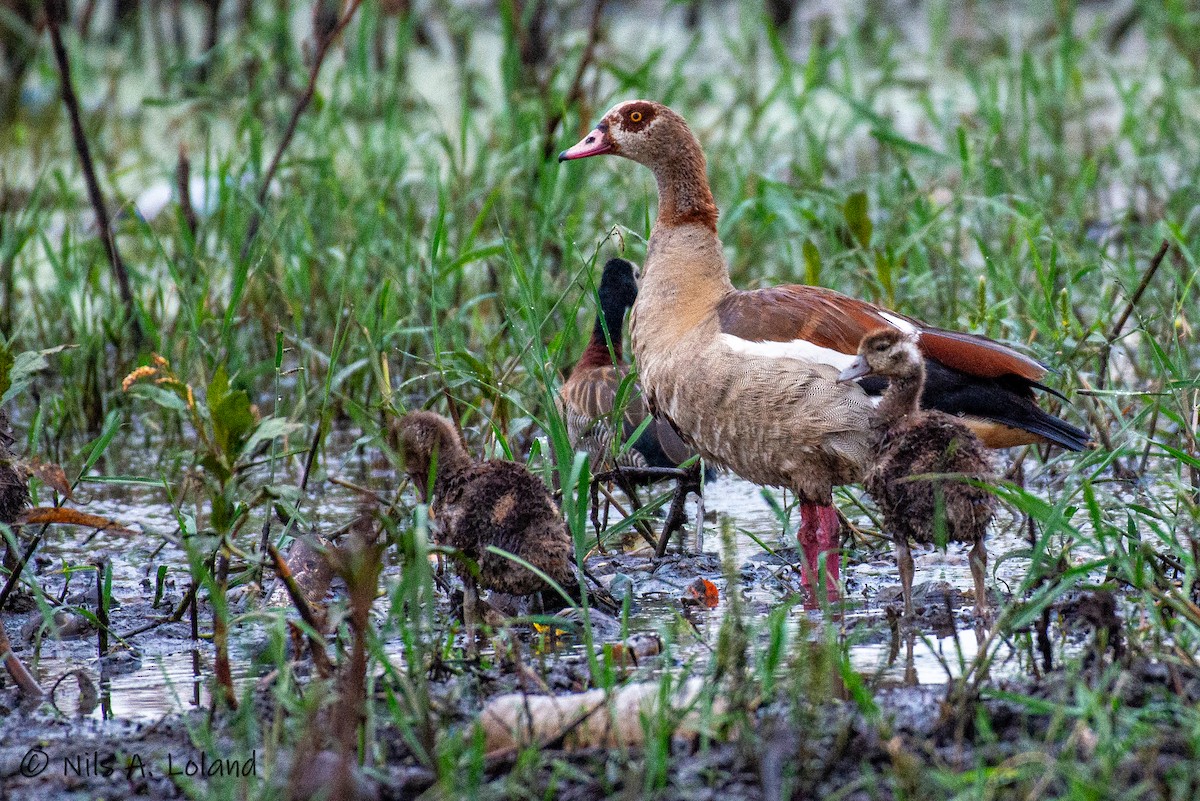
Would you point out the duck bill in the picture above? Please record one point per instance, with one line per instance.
(857, 369)
(595, 143)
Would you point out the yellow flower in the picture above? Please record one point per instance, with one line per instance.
(137, 375)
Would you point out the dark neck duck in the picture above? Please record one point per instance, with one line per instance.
(749, 378)
(588, 396)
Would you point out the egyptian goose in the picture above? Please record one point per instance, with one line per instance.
(909, 441)
(477, 504)
(588, 395)
(749, 378)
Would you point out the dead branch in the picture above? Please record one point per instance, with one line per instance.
(56, 12)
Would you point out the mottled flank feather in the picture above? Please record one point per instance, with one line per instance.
(14, 486)
(497, 503)
(931, 443)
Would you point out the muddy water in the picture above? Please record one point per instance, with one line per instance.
(937, 651)
(166, 671)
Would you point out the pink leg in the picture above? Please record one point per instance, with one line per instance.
(819, 532)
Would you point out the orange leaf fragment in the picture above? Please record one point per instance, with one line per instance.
(702, 592)
(69, 517)
(51, 475)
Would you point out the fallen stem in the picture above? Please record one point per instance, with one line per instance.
(16, 668)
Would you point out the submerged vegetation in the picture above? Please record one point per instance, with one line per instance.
(323, 222)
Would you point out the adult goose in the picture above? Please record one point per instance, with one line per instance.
(910, 442)
(749, 378)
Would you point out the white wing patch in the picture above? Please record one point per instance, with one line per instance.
(899, 322)
(799, 349)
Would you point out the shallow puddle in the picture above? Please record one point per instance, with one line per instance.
(166, 677)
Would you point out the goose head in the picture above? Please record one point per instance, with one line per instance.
(428, 439)
(641, 130)
(886, 352)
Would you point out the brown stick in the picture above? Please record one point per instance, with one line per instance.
(183, 180)
(16, 668)
(323, 44)
(211, 37)
(1128, 310)
(221, 636)
(635, 506)
(576, 91)
(690, 482)
(56, 12)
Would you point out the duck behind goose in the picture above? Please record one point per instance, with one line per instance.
(589, 395)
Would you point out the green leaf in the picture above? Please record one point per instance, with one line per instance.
(218, 388)
(6, 364)
(269, 429)
(857, 219)
(812, 264)
(886, 276)
(216, 467)
(233, 421)
(232, 417)
(96, 448)
(17, 373)
(160, 396)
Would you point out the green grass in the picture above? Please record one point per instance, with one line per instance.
(418, 248)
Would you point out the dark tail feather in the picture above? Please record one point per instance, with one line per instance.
(1057, 431)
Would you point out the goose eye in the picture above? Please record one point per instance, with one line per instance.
(635, 116)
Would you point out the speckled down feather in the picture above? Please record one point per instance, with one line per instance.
(931, 443)
(14, 486)
(498, 503)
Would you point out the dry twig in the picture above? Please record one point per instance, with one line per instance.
(325, 39)
(56, 13)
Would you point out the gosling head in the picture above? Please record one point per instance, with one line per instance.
(427, 438)
(886, 352)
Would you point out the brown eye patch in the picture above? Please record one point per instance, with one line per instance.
(637, 117)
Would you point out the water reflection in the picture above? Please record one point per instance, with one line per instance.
(162, 684)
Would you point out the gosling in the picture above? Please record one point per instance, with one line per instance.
(477, 504)
(911, 443)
